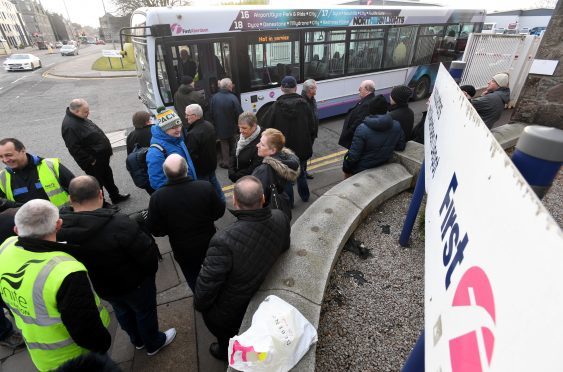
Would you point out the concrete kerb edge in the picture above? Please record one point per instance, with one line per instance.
(306, 300)
(411, 160)
(48, 73)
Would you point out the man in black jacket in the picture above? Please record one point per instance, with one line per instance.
(90, 147)
(292, 116)
(187, 95)
(185, 210)
(141, 135)
(357, 114)
(121, 259)
(200, 142)
(400, 110)
(238, 259)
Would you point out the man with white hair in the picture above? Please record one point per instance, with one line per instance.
(357, 114)
(48, 291)
(200, 141)
(185, 210)
(225, 109)
(309, 92)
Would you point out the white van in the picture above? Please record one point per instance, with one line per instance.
(489, 28)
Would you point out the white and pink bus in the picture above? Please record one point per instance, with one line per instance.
(257, 46)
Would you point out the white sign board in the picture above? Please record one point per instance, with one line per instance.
(111, 53)
(494, 255)
(543, 67)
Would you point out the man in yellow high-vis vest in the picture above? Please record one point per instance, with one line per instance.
(48, 291)
(28, 177)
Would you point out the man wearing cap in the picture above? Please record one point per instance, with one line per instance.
(493, 100)
(400, 110)
(187, 95)
(357, 114)
(225, 110)
(169, 136)
(292, 115)
(27, 177)
(90, 147)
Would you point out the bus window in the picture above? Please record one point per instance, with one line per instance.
(185, 61)
(162, 78)
(270, 62)
(223, 59)
(429, 37)
(324, 54)
(450, 39)
(399, 46)
(366, 50)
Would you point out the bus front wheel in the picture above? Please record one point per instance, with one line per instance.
(422, 88)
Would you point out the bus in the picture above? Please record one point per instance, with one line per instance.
(257, 46)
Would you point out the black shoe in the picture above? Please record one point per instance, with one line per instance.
(309, 176)
(215, 350)
(120, 198)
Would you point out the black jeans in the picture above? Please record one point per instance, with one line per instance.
(221, 331)
(103, 173)
(190, 267)
(136, 313)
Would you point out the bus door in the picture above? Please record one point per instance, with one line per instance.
(206, 60)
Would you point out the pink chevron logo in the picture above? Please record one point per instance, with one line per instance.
(473, 351)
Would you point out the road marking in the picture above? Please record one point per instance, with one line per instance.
(335, 158)
(23, 77)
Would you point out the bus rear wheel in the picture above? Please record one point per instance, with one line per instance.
(422, 88)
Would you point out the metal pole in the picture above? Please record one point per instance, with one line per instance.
(69, 21)
(415, 360)
(413, 208)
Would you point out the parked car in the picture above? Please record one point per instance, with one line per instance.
(100, 42)
(536, 30)
(69, 50)
(58, 44)
(18, 62)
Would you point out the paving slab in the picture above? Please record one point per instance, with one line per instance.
(174, 294)
(122, 350)
(507, 135)
(181, 354)
(20, 362)
(163, 244)
(166, 276)
(411, 158)
(207, 363)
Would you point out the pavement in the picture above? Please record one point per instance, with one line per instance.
(189, 351)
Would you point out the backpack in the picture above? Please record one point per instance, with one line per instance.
(136, 164)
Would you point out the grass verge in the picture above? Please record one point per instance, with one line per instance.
(102, 64)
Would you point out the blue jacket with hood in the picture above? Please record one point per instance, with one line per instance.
(155, 157)
(373, 143)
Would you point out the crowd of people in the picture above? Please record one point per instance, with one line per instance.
(53, 289)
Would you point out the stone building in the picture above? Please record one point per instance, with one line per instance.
(541, 100)
(35, 20)
(110, 26)
(61, 27)
(11, 26)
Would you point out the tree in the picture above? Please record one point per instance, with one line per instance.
(550, 4)
(125, 7)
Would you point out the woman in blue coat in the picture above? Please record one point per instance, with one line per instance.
(169, 136)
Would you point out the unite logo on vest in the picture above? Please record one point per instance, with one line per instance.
(11, 283)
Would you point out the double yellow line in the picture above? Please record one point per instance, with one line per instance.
(313, 164)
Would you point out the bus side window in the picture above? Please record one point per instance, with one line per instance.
(366, 48)
(429, 37)
(399, 46)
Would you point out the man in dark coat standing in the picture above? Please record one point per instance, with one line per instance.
(90, 147)
(291, 115)
(121, 259)
(400, 110)
(238, 259)
(200, 141)
(185, 210)
(309, 92)
(357, 114)
(225, 109)
(187, 95)
(141, 135)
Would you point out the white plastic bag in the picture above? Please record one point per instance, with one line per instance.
(277, 339)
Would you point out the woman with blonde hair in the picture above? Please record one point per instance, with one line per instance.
(279, 166)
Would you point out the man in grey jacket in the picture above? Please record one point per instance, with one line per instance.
(493, 100)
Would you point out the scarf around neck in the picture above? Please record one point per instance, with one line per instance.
(243, 142)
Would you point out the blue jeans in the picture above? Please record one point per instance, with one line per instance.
(136, 313)
(215, 182)
(302, 186)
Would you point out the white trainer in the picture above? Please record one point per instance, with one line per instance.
(170, 335)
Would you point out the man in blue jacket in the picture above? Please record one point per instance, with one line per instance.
(169, 136)
(374, 140)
